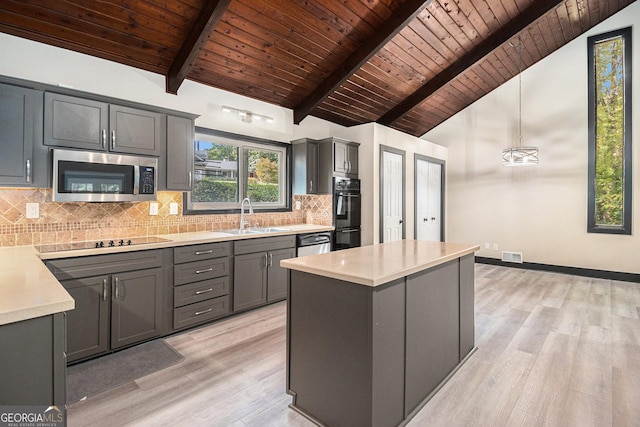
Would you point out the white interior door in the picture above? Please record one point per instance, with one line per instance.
(428, 196)
(392, 197)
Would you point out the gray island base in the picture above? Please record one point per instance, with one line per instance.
(374, 332)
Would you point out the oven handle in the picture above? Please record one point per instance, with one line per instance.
(348, 195)
(352, 230)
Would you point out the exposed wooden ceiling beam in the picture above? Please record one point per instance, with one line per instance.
(398, 20)
(209, 17)
(535, 11)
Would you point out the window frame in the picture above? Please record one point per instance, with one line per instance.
(243, 141)
(592, 227)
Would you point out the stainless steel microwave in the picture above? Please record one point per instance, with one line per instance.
(87, 176)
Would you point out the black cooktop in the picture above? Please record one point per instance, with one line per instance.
(97, 244)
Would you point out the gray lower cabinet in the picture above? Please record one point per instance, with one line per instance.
(88, 323)
(23, 161)
(201, 279)
(33, 362)
(118, 300)
(75, 122)
(258, 277)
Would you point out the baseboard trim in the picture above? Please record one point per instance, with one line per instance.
(576, 271)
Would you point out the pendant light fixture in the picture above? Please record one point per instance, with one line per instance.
(519, 155)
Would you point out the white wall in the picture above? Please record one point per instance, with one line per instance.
(371, 136)
(541, 210)
(28, 60)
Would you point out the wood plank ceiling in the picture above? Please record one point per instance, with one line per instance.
(407, 64)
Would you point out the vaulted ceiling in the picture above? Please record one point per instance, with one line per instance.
(407, 64)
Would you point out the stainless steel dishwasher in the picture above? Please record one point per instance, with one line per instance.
(313, 243)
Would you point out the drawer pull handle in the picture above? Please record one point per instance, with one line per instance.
(198, 313)
(206, 270)
(210, 251)
(204, 291)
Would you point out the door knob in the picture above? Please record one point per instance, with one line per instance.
(400, 222)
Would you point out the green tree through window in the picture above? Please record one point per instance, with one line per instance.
(610, 133)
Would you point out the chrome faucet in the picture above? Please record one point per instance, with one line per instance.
(244, 222)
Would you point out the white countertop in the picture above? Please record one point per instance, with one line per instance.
(28, 289)
(379, 264)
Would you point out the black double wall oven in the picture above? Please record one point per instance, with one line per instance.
(346, 213)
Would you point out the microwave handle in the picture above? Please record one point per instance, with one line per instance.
(136, 180)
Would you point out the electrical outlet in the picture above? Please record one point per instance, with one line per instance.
(33, 210)
(298, 205)
(495, 246)
(173, 208)
(153, 208)
(487, 246)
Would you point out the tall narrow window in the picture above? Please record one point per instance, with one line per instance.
(609, 83)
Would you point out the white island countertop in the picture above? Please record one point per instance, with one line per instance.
(379, 264)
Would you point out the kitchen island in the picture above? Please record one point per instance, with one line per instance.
(373, 332)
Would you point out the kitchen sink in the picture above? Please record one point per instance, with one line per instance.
(255, 230)
(270, 229)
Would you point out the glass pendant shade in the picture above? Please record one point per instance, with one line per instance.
(520, 156)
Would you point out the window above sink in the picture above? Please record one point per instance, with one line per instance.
(230, 167)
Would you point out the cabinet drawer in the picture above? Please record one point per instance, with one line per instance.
(264, 244)
(200, 291)
(201, 270)
(96, 265)
(200, 312)
(199, 252)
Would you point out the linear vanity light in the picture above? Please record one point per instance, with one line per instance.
(246, 115)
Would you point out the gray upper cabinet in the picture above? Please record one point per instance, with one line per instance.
(345, 158)
(306, 170)
(75, 122)
(88, 124)
(24, 160)
(135, 131)
(179, 158)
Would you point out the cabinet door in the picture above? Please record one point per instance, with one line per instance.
(340, 164)
(135, 131)
(278, 277)
(75, 122)
(250, 280)
(17, 134)
(312, 168)
(136, 308)
(352, 160)
(88, 323)
(179, 165)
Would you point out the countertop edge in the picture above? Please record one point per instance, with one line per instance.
(368, 280)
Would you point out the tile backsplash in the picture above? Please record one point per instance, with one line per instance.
(68, 222)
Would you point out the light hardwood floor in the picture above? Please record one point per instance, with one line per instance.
(553, 350)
